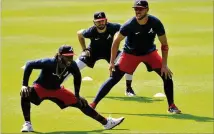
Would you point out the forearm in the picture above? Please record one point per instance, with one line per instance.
(114, 49)
(77, 84)
(82, 42)
(164, 50)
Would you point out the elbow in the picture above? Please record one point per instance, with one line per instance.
(79, 33)
(28, 65)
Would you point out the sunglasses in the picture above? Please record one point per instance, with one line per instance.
(139, 8)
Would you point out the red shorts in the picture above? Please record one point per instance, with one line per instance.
(65, 96)
(128, 62)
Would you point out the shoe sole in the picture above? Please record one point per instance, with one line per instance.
(26, 131)
(174, 112)
(118, 123)
(127, 94)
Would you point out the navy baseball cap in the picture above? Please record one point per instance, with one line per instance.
(66, 50)
(98, 16)
(141, 3)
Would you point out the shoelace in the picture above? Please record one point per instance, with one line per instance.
(110, 119)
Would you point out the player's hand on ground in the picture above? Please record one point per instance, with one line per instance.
(83, 102)
(166, 72)
(111, 68)
(86, 53)
(25, 91)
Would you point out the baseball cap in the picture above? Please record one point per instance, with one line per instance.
(66, 50)
(141, 3)
(98, 16)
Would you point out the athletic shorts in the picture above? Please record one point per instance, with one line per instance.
(128, 62)
(62, 97)
(92, 59)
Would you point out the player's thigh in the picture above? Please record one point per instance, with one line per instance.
(153, 61)
(34, 97)
(64, 98)
(80, 64)
(128, 63)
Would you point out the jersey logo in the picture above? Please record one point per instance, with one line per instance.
(151, 31)
(97, 38)
(109, 36)
(137, 33)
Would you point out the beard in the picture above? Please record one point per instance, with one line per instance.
(142, 17)
(101, 27)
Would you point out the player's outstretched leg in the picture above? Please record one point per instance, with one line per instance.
(129, 91)
(108, 123)
(107, 86)
(168, 89)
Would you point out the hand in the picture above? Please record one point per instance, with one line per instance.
(83, 102)
(111, 68)
(166, 72)
(86, 53)
(25, 91)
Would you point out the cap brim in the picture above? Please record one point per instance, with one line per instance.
(68, 54)
(140, 6)
(100, 19)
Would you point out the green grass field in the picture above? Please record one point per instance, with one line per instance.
(34, 29)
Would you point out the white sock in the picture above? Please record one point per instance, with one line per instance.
(80, 64)
(128, 77)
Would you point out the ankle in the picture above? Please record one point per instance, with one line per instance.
(172, 105)
(27, 122)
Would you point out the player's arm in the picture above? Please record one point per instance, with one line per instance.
(29, 66)
(115, 46)
(77, 78)
(165, 71)
(81, 39)
(37, 64)
(77, 83)
(159, 28)
(164, 49)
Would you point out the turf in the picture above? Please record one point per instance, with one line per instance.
(32, 29)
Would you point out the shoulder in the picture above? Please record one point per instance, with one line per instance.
(130, 22)
(43, 60)
(113, 25)
(154, 19)
(48, 60)
(74, 66)
(90, 29)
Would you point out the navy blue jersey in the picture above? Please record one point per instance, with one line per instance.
(48, 78)
(101, 43)
(140, 38)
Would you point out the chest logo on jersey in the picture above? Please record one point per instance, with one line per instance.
(151, 31)
(97, 38)
(137, 33)
(109, 36)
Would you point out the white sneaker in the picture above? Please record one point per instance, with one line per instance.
(27, 127)
(112, 122)
(129, 94)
